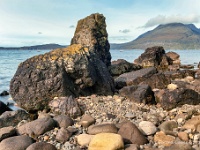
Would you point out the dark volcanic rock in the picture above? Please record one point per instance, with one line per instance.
(153, 56)
(121, 66)
(80, 69)
(4, 93)
(3, 107)
(91, 32)
(174, 98)
(134, 77)
(12, 118)
(139, 94)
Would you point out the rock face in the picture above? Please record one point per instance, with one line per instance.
(153, 56)
(80, 69)
(91, 32)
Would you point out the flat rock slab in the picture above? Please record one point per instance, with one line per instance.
(134, 77)
(37, 127)
(7, 132)
(41, 146)
(16, 143)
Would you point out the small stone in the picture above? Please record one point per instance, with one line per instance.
(172, 86)
(84, 139)
(63, 135)
(183, 136)
(46, 138)
(148, 128)
(106, 141)
(168, 127)
(130, 115)
(192, 123)
(162, 139)
(87, 120)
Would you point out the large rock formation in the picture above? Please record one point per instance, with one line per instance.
(79, 69)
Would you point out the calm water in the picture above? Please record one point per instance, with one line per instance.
(10, 59)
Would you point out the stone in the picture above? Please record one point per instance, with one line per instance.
(4, 107)
(37, 127)
(43, 115)
(7, 132)
(131, 147)
(66, 106)
(16, 143)
(134, 77)
(192, 124)
(4, 93)
(174, 58)
(168, 126)
(84, 139)
(63, 121)
(179, 74)
(102, 128)
(140, 94)
(12, 118)
(80, 69)
(63, 135)
(147, 127)
(162, 139)
(178, 97)
(172, 86)
(41, 146)
(153, 56)
(87, 120)
(187, 66)
(121, 66)
(183, 136)
(179, 145)
(131, 134)
(106, 141)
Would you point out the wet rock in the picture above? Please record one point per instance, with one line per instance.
(153, 56)
(63, 121)
(162, 139)
(16, 143)
(102, 128)
(80, 69)
(87, 120)
(131, 134)
(134, 77)
(37, 127)
(3, 107)
(148, 128)
(84, 139)
(168, 126)
(63, 135)
(41, 146)
(140, 94)
(4, 93)
(7, 132)
(12, 118)
(106, 141)
(121, 66)
(65, 105)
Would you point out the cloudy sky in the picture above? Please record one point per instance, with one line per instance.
(33, 22)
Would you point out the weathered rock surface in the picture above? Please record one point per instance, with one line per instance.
(37, 127)
(84, 139)
(162, 139)
(168, 126)
(7, 132)
(12, 118)
(87, 120)
(140, 94)
(106, 141)
(41, 146)
(174, 58)
(121, 66)
(63, 135)
(153, 56)
(131, 134)
(16, 143)
(134, 77)
(66, 106)
(147, 127)
(3, 107)
(179, 74)
(63, 121)
(193, 124)
(80, 69)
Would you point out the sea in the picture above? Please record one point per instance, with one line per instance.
(10, 59)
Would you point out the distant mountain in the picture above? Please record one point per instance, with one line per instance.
(170, 36)
(36, 47)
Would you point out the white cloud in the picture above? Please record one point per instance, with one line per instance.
(161, 19)
(125, 31)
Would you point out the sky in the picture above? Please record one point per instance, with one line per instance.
(35, 22)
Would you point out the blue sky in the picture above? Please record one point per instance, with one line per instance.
(33, 22)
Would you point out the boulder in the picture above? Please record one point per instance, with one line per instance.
(7, 132)
(121, 66)
(153, 56)
(80, 69)
(91, 32)
(174, 58)
(12, 118)
(37, 127)
(134, 77)
(16, 143)
(131, 134)
(41, 146)
(178, 97)
(3, 107)
(63, 121)
(140, 94)
(63, 135)
(4, 93)
(179, 74)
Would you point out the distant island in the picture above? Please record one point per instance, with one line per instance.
(36, 47)
(170, 36)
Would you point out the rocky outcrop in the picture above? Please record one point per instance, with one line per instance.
(91, 32)
(80, 69)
